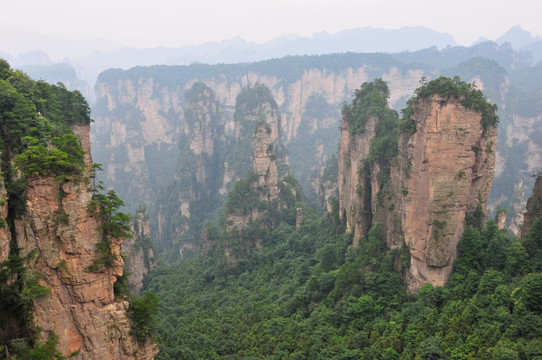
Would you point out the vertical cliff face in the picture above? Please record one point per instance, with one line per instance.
(354, 191)
(80, 307)
(138, 124)
(534, 207)
(264, 160)
(420, 180)
(368, 142)
(138, 251)
(257, 128)
(194, 191)
(5, 235)
(450, 160)
(260, 200)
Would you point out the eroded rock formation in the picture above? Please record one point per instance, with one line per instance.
(141, 115)
(450, 161)
(534, 207)
(257, 202)
(80, 307)
(442, 171)
(138, 251)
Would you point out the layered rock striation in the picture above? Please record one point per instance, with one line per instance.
(450, 161)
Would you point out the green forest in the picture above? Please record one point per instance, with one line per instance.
(308, 294)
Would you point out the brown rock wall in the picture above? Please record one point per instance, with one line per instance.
(443, 171)
(80, 307)
(452, 161)
(354, 194)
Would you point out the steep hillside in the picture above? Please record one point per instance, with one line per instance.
(60, 239)
(308, 294)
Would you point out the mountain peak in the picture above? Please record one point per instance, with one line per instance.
(517, 37)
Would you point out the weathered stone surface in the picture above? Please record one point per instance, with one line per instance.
(451, 160)
(139, 255)
(534, 207)
(443, 171)
(264, 161)
(354, 195)
(80, 307)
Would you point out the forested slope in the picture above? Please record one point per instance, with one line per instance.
(309, 295)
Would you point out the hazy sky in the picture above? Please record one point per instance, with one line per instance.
(173, 23)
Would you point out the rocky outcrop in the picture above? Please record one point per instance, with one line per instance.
(442, 171)
(263, 186)
(194, 190)
(355, 194)
(80, 307)
(450, 161)
(500, 219)
(138, 251)
(264, 161)
(534, 207)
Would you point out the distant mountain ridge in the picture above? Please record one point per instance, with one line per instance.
(89, 57)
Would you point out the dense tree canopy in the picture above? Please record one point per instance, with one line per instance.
(309, 295)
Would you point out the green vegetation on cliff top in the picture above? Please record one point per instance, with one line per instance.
(467, 95)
